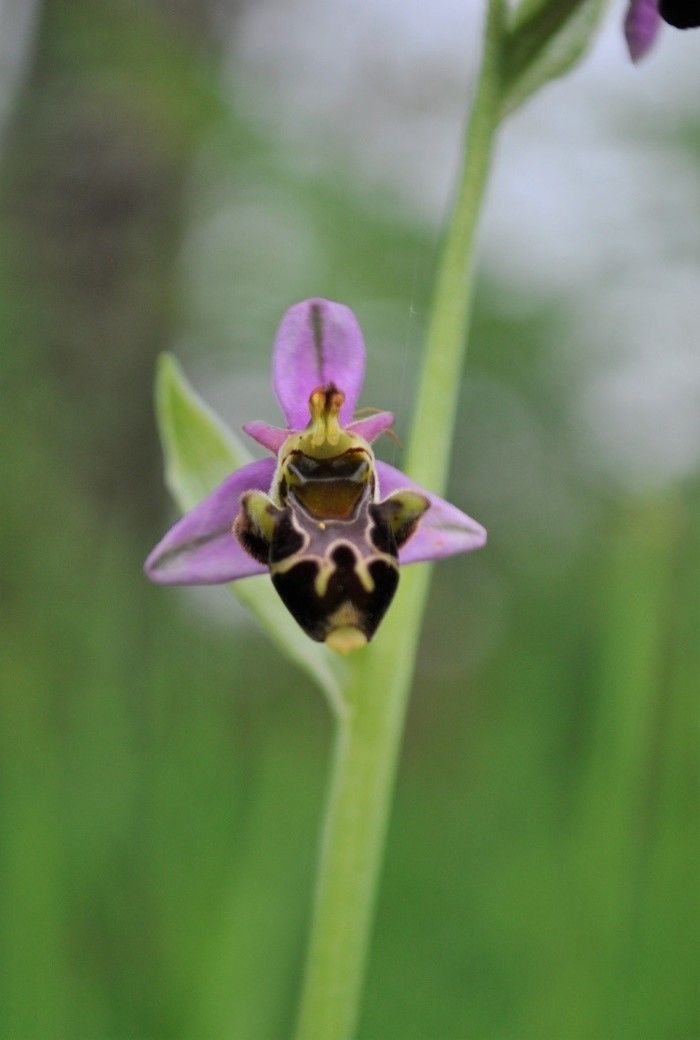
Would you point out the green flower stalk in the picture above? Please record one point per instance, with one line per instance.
(369, 737)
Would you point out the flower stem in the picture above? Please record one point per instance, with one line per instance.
(369, 734)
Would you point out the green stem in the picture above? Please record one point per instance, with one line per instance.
(430, 443)
(369, 736)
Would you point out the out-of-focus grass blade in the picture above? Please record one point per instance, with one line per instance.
(619, 792)
(546, 39)
(200, 451)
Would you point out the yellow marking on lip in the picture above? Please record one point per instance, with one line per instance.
(321, 580)
(346, 615)
(346, 639)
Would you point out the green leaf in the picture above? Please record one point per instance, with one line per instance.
(200, 451)
(546, 39)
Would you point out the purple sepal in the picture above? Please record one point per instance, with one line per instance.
(318, 342)
(442, 531)
(201, 548)
(642, 23)
(271, 437)
(374, 425)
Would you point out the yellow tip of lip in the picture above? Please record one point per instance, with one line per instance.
(346, 639)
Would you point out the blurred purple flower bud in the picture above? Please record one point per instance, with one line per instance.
(643, 21)
(642, 24)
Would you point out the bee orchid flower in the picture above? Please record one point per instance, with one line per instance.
(328, 521)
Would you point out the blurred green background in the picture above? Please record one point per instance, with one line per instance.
(174, 174)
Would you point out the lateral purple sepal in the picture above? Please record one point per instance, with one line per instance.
(372, 426)
(442, 531)
(318, 342)
(642, 23)
(201, 548)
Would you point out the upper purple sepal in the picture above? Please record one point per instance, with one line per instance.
(201, 549)
(318, 343)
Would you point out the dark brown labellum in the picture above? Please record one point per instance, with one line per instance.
(345, 601)
(331, 549)
(333, 557)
